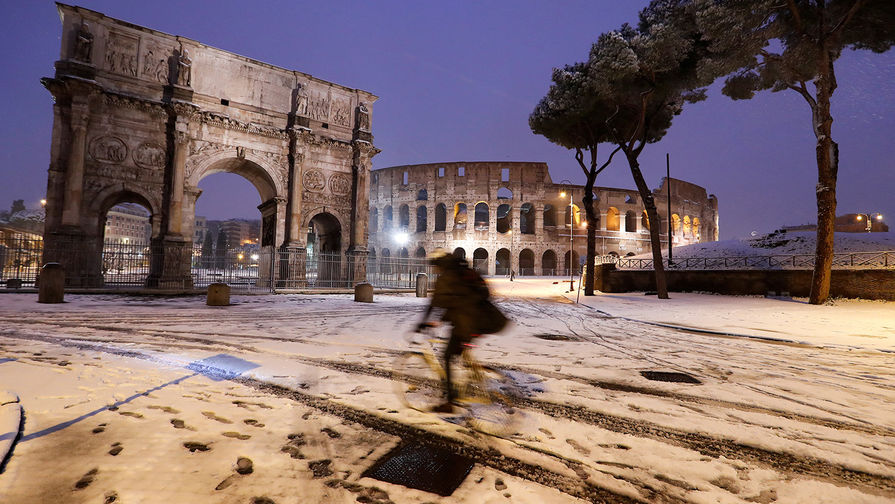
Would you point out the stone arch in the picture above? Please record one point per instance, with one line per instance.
(342, 220)
(548, 263)
(502, 262)
(403, 253)
(696, 227)
(573, 265)
(687, 229)
(269, 181)
(630, 221)
(422, 195)
(549, 216)
(323, 267)
(420, 253)
(572, 214)
(440, 217)
(404, 217)
(374, 220)
(421, 219)
(459, 253)
(102, 201)
(480, 261)
(388, 217)
(460, 216)
(504, 218)
(504, 193)
(526, 262)
(644, 220)
(676, 223)
(527, 219)
(385, 264)
(482, 216)
(612, 220)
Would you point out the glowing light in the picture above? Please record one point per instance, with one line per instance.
(43, 202)
(401, 238)
(254, 257)
(879, 216)
(562, 194)
(860, 217)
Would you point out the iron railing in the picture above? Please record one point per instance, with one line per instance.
(851, 260)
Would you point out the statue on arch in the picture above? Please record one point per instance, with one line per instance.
(184, 68)
(83, 43)
(362, 117)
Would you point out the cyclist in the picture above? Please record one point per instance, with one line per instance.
(463, 296)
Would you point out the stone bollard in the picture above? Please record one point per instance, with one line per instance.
(363, 293)
(218, 295)
(422, 284)
(52, 283)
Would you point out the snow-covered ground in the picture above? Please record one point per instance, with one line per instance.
(783, 244)
(119, 406)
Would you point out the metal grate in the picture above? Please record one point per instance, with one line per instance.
(422, 467)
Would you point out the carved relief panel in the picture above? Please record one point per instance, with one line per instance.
(341, 111)
(108, 149)
(155, 63)
(121, 54)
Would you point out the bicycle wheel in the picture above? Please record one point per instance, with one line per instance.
(489, 397)
(416, 382)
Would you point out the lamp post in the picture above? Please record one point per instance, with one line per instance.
(869, 219)
(571, 233)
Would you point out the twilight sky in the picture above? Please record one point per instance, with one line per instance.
(457, 81)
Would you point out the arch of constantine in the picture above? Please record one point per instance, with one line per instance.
(511, 217)
(142, 116)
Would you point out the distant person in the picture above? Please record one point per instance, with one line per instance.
(464, 297)
(512, 275)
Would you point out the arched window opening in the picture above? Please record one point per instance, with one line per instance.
(502, 262)
(460, 216)
(630, 221)
(404, 222)
(527, 219)
(387, 218)
(420, 253)
(549, 216)
(572, 214)
(460, 253)
(687, 228)
(481, 216)
(422, 195)
(696, 227)
(480, 261)
(374, 220)
(612, 221)
(503, 218)
(629, 254)
(526, 263)
(385, 265)
(504, 193)
(676, 223)
(629, 199)
(403, 253)
(574, 266)
(548, 263)
(421, 219)
(644, 220)
(440, 217)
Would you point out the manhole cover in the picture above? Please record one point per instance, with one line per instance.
(426, 468)
(669, 377)
(555, 337)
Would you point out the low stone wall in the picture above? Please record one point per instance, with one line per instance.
(863, 284)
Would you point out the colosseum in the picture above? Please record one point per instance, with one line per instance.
(511, 216)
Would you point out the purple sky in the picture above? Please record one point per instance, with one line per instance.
(457, 81)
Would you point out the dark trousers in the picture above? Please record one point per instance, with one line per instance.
(459, 336)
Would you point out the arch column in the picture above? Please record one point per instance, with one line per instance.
(291, 256)
(539, 219)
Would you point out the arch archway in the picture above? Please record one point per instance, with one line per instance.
(324, 251)
(687, 229)
(504, 218)
(548, 263)
(480, 261)
(644, 220)
(526, 262)
(612, 220)
(573, 266)
(440, 217)
(460, 217)
(421, 219)
(630, 221)
(124, 239)
(374, 220)
(549, 216)
(502, 262)
(460, 253)
(404, 218)
(482, 216)
(420, 253)
(527, 219)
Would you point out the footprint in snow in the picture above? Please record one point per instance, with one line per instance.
(86, 479)
(211, 415)
(116, 449)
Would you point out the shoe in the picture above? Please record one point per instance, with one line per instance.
(443, 408)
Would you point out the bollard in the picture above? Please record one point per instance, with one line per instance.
(422, 284)
(52, 283)
(218, 295)
(363, 293)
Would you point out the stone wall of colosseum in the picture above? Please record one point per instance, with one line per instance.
(510, 216)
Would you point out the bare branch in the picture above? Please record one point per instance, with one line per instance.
(836, 32)
(579, 156)
(603, 167)
(797, 17)
(802, 89)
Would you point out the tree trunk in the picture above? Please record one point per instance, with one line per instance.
(588, 201)
(650, 204)
(827, 169)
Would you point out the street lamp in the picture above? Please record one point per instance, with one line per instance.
(869, 219)
(571, 233)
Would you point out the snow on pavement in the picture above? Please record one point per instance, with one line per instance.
(768, 422)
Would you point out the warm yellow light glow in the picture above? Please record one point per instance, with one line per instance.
(43, 202)
(240, 256)
(562, 194)
(879, 216)
(860, 217)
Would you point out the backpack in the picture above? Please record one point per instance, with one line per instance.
(488, 318)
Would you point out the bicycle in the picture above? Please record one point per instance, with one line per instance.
(486, 393)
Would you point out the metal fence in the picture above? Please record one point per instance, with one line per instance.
(852, 260)
(130, 266)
